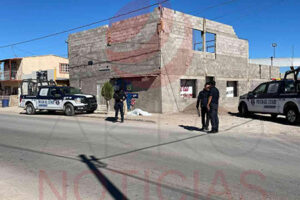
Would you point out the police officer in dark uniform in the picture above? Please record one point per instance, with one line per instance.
(119, 97)
(212, 106)
(203, 100)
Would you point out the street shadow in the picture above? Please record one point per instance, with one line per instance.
(103, 179)
(151, 147)
(54, 113)
(109, 186)
(94, 164)
(279, 120)
(111, 119)
(45, 113)
(191, 128)
(22, 149)
(159, 185)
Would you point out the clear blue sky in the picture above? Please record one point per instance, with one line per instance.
(262, 22)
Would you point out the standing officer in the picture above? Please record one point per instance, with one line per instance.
(119, 97)
(212, 106)
(203, 100)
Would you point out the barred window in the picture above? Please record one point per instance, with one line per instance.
(64, 68)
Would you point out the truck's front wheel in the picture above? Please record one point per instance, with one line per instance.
(69, 110)
(30, 110)
(292, 115)
(243, 110)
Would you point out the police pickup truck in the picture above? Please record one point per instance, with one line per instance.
(55, 98)
(279, 97)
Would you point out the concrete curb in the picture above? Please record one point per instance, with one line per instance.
(126, 119)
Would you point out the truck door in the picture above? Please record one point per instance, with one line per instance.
(55, 99)
(257, 99)
(271, 98)
(42, 98)
(288, 92)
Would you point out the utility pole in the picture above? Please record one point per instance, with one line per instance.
(270, 67)
(274, 45)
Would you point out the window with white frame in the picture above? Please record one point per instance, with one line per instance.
(64, 68)
(188, 88)
(232, 89)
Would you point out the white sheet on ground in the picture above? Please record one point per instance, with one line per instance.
(138, 112)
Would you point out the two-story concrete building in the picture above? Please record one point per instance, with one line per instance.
(165, 56)
(13, 70)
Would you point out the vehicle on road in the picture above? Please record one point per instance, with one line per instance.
(58, 98)
(279, 97)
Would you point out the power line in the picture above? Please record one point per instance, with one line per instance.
(213, 6)
(234, 11)
(100, 21)
(25, 51)
(14, 53)
(83, 26)
(246, 14)
(268, 6)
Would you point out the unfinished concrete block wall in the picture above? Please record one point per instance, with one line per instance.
(134, 46)
(149, 90)
(180, 61)
(160, 45)
(229, 62)
(84, 47)
(128, 48)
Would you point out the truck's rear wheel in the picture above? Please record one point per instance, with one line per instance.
(30, 110)
(69, 110)
(292, 115)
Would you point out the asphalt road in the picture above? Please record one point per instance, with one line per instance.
(50, 158)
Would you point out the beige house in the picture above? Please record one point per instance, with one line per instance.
(13, 70)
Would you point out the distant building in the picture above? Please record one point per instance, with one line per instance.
(278, 62)
(164, 58)
(14, 70)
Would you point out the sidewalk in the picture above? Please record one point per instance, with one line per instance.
(183, 118)
(163, 119)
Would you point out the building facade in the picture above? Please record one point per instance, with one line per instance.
(14, 70)
(165, 57)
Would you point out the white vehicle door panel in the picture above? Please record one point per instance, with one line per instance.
(54, 99)
(257, 100)
(270, 103)
(42, 102)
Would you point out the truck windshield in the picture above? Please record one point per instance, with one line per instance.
(71, 91)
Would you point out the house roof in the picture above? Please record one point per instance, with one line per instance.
(31, 57)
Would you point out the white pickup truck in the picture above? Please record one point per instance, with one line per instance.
(55, 98)
(281, 97)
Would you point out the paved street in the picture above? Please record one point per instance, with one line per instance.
(40, 160)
